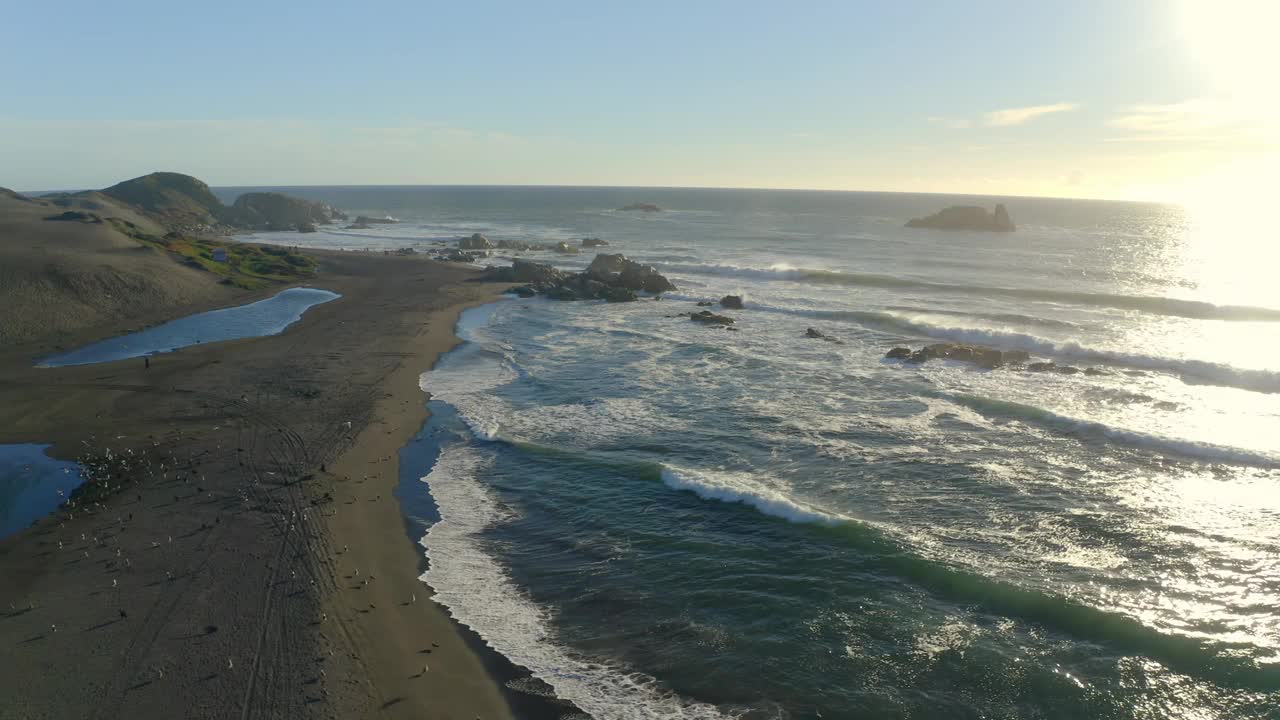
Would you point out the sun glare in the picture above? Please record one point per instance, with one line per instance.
(1234, 42)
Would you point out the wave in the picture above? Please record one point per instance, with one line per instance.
(1155, 305)
(1191, 371)
(1091, 429)
(477, 592)
(1055, 612)
(741, 488)
(1013, 318)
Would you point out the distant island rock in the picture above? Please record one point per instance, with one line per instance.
(967, 217)
(593, 242)
(640, 207)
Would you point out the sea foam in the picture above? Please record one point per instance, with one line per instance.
(478, 593)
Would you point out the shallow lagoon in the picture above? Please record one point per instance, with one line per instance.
(32, 485)
(265, 317)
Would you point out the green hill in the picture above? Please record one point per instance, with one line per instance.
(173, 198)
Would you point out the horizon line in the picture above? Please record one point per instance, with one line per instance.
(643, 187)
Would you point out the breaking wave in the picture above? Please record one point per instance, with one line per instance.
(1101, 431)
(1155, 305)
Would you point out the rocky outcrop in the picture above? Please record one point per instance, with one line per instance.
(640, 207)
(988, 358)
(593, 242)
(732, 302)
(984, 357)
(307, 227)
(706, 317)
(271, 211)
(367, 220)
(475, 242)
(966, 217)
(617, 269)
(565, 248)
(614, 278)
(816, 334)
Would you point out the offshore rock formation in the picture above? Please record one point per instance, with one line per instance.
(966, 217)
(593, 242)
(640, 207)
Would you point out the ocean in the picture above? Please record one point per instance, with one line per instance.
(665, 520)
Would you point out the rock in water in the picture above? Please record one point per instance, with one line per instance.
(565, 248)
(560, 292)
(614, 278)
(707, 317)
(613, 294)
(593, 242)
(732, 302)
(475, 242)
(814, 333)
(640, 207)
(966, 217)
(984, 357)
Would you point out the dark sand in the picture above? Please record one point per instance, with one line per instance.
(233, 555)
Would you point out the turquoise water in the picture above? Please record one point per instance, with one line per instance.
(664, 520)
(32, 485)
(265, 317)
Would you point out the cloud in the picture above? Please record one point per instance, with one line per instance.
(1198, 120)
(1020, 115)
(1190, 117)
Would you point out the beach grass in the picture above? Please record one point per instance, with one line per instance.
(246, 266)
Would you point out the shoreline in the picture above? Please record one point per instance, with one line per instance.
(380, 546)
(213, 569)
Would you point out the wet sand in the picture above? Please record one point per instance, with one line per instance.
(251, 560)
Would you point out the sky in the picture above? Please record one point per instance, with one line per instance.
(1128, 99)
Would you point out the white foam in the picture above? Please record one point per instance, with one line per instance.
(478, 593)
(1124, 436)
(1203, 371)
(743, 489)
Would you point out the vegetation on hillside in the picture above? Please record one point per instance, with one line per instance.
(247, 266)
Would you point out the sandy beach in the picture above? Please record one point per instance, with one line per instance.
(251, 559)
